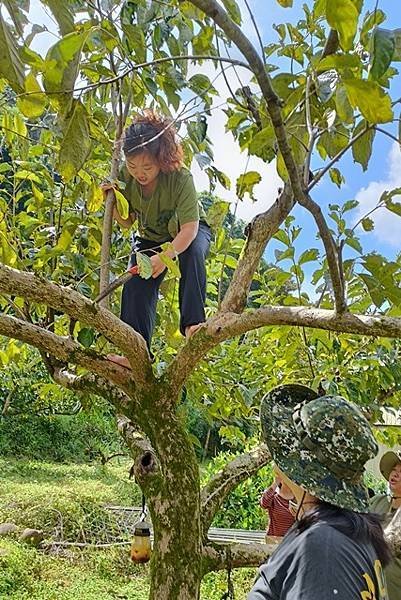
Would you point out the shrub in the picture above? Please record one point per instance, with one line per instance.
(241, 508)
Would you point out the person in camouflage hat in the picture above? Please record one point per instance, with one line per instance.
(322, 444)
(336, 549)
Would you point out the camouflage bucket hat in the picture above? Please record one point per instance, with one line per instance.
(320, 443)
(388, 461)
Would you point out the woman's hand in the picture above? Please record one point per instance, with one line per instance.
(158, 265)
(105, 186)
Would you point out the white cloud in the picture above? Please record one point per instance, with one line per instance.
(228, 157)
(387, 224)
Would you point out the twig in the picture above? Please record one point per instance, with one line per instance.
(256, 29)
(390, 135)
(337, 158)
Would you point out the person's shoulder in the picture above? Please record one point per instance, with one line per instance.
(378, 503)
(318, 534)
(182, 175)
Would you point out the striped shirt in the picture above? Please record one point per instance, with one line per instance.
(280, 518)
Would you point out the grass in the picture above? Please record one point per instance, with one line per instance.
(50, 496)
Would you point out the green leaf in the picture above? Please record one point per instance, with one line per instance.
(136, 41)
(222, 178)
(61, 64)
(282, 236)
(308, 256)
(397, 50)
(200, 84)
(372, 18)
(95, 198)
(27, 175)
(339, 62)
(217, 213)
(374, 289)
(202, 43)
(170, 263)
(354, 243)
(283, 254)
(64, 241)
(349, 205)
(382, 52)
(11, 67)
(34, 103)
(122, 204)
(86, 337)
(362, 148)
(281, 168)
(342, 15)
(246, 182)
(261, 140)
(145, 265)
(233, 10)
(76, 143)
(62, 14)
(367, 224)
(344, 109)
(285, 3)
(372, 101)
(17, 16)
(336, 177)
(387, 198)
(31, 58)
(8, 256)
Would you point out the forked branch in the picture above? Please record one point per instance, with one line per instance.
(72, 303)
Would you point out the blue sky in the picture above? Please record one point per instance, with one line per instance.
(384, 170)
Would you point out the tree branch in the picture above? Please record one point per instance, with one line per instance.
(332, 252)
(388, 134)
(120, 118)
(93, 384)
(146, 467)
(260, 231)
(72, 303)
(139, 66)
(217, 489)
(63, 348)
(212, 9)
(221, 556)
(337, 157)
(226, 325)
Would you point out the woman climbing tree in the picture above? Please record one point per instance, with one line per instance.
(163, 201)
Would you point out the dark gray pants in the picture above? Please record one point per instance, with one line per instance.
(139, 297)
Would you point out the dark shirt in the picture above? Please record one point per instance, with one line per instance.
(320, 563)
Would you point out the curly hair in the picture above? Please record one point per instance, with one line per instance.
(153, 133)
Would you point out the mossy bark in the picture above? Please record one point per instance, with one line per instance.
(175, 511)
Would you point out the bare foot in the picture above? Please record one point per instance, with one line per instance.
(191, 329)
(119, 360)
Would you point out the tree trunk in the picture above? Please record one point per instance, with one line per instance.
(175, 511)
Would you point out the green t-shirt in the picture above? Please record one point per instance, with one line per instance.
(173, 203)
(381, 504)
